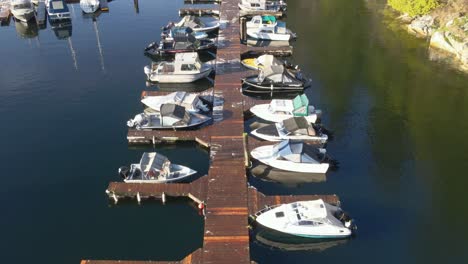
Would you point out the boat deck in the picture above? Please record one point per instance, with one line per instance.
(225, 193)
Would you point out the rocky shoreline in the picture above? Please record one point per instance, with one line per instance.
(447, 30)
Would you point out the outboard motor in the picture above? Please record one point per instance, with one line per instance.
(123, 172)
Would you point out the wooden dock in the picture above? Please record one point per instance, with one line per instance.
(227, 199)
(195, 11)
(4, 11)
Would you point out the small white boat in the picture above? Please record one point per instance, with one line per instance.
(190, 101)
(186, 68)
(262, 5)
(294, 128)
(89, 6)
(279, 110)
(22, 10)
(309, 219)
(276, 31)
(57, 10)
(170, 116)
(197, 25)
(154, 168)
(293, 156)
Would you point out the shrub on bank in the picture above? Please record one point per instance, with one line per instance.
(413, 7)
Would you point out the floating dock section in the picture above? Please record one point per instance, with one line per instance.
(40, 10)
(224, 194)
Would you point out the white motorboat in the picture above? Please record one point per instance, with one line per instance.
(190, 101)
(309, 219)
(279, 109)
(154, 168)
(293, 156)
(197, 25)
(170, 33)
(276, 32)
(263, 5)
(294, 128)
(22, 10)
(170, 116)
(57, 10)
(186, 68)
(275, 78)
(89, 6)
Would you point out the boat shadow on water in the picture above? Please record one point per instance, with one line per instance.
(286, 178)
(280, 241)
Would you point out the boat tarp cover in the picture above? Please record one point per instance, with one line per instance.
(276, 74)
(301, 105)
(151, 160)
(294, 124)
(297, 152)
(268, 130)
(193, 22)
(58, 6)
(267, 60)
(268, 19)
(176, 112)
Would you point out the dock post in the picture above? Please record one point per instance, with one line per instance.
(138, 197)
(163, 198)
(154, 142)
(243, 29)
(115, 198)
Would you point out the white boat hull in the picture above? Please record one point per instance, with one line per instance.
(268, 36)
(178, 78)
(23, 15)
(184, 172)
(89, 7)
(262, 112)
(263, 154)
(321, 139)
(269, 220)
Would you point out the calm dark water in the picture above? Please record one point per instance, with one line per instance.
(400, 124)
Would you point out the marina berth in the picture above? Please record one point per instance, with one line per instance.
(294, 128)
(180, 44)
(186, 68)
(309, 219)
(293, 156)
(154, 168)
(281, 109)
(89, 6)
(57, 10)
(266, 28)
(197, 24)
(22, 10)
(170, 116)
(267, 59)
(262, 5)
(275, 78)
(192, 102)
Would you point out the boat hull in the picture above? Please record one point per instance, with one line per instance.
(88, 7)
(262, 112)
(23, 15)
(184, 172)
(318, 139)
(259, 154)
(268, 36)
(178, 78)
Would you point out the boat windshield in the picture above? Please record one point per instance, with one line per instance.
(57, 5)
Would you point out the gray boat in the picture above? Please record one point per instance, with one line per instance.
(170, 116)
(154, 168)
